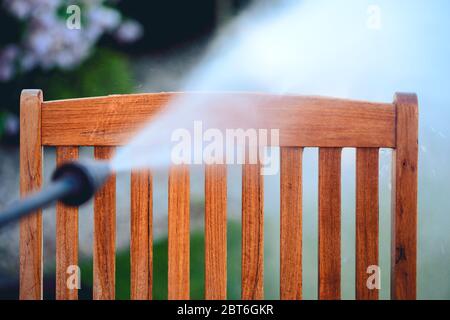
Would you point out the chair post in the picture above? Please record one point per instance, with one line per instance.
(30, 180)
(404, 199)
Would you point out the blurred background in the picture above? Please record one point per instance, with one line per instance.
(122, 47)
(150, 46)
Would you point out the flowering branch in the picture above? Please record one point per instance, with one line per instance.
(47, 41)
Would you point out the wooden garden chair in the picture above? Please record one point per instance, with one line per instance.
(330, 124)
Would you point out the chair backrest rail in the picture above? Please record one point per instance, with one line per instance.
(303, 121)
(329, 124)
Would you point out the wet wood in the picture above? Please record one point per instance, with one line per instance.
(105, 234)
(366, 220)
(66, 238)
(291, 224)
(303, 121)
(216, 232)
(330, 223)
(252, 233)
(141, 240)
(30, 180)
(179, 233)
(404, 200)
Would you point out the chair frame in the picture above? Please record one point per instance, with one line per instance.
(327, 123)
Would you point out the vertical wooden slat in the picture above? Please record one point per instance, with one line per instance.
(404, 199)
(105, 234)
(66, 235)
(216, 232)
(178, 264)
(30, 180)
(141, 241)
(329, 223)
(366, 220)
(291, 224)
(252, 232)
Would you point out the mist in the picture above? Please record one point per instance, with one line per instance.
(353, 49)
(361, 50)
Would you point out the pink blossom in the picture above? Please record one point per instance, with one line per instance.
(129, 31)
(48, 43)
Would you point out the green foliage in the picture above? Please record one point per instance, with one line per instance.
(160, 247)
(106, 72)
(2, 121)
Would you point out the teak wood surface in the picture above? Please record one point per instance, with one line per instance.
(216, 232)
(291, 224)
(366, 219)
(327, 123)
(141, 235)
(66, 237)
(179, 230)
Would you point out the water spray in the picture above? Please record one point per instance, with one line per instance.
(72, 183)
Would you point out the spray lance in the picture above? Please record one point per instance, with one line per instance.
(72, 183)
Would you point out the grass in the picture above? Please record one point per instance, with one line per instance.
(160, 268)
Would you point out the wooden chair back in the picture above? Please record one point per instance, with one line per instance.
(329, 124)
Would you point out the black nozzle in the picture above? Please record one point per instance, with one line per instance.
(73, 183)
(86, 176)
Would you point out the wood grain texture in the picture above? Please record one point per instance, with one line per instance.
(404, 199)
(66, 235)
(216, 232)
(179, 233)
(105, 234)
(366, 220)
(252, 233)
(330, 223)
(141, 241)
(291, 224)
(303, 121)
(30, 180)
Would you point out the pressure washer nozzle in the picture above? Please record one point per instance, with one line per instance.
(73, 183)
(87, 177)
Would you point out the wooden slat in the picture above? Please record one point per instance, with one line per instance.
(216, 232)
(252, 233)
(178, 264)
(329, 223)
(366, 220)
(141, 241)
(105, 234)
(291, 224)
(66, 235)
(404, 199)
(30, 180)
(303, 121)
